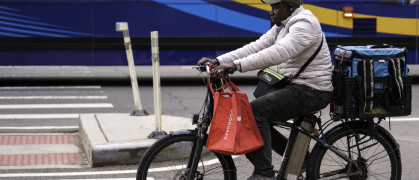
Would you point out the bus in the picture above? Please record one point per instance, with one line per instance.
(83, 32)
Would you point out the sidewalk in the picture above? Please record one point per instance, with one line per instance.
(116, 74)
(14, 75)
(105, 141)
(110, 142)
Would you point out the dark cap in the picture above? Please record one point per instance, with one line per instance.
(296, 2)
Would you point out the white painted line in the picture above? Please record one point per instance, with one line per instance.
(403, 119)
(206, 163)
(61, 174)
(39, 106)
(108, 179)
(39, 149)
(53, 72)
(43, 67)
(53, 97)
(55, 75)
(50, 87)
(76, 91)
(68, 173)
(39, 128)
(43, 167)
(39, 116)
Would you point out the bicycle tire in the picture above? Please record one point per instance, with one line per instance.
(168, 158)
(379, 149)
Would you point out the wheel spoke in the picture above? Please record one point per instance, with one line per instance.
(380, 175)
(332, 173)
(168, 159)
(376, 158)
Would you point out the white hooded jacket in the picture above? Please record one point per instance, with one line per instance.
(289, 46)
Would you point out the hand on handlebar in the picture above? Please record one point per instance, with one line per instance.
(222, 70)
(203, 60)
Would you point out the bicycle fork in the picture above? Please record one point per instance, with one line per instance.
(197, 150)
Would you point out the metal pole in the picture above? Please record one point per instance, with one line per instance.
(156, 77)
(156, 85)
(138, 111)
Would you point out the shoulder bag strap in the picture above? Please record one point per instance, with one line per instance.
(309, 60)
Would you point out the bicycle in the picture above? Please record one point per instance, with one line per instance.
(354, 149)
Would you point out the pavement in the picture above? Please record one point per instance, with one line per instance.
(106, 141)
(110, 142)
(15, 75)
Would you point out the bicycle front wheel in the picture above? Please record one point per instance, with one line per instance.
(168, 159)
(376, 153)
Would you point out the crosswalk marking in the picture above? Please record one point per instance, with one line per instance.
(113, 172)
(55, 166)
(39, 149)
(109, 179)
(39, 116)
(81, 73)
(48, 87)
(61, 174)
(26, 139)
(53, 97)
(39, 127)
(52, 106)
(25, 152)
(403, 119)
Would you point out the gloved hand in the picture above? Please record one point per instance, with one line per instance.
(204, 60)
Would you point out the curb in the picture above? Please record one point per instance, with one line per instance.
(101, 153)
(108, 144)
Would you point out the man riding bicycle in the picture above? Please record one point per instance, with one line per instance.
(295, 37)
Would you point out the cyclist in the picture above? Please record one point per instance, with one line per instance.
(288, 44)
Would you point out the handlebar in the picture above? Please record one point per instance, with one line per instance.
(202, 68)
(205, 68)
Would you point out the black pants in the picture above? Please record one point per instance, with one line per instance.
(287, 103)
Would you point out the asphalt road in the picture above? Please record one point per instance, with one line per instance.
(176, 100)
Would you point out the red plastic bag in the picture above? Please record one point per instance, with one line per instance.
(233, 128)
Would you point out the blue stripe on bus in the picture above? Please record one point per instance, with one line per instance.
(384, 10)
(242, 8)
(16, 15)
(223, 16)
(12, 34)
(31, 32)
(41, 28)
(7, 8)
(330, 34)
(30, 22)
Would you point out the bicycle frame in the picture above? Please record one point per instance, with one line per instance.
(295, 129)
(205, 121)
(201, 132)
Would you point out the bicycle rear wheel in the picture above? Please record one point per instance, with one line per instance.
(378, 157)
(168, 159)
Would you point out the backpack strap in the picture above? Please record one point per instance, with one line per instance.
(399, 75)
(309, 60)
(396, 78)
(368, 79)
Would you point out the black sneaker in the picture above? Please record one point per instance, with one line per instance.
(260, 177)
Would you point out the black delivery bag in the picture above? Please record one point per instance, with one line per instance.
(371, 81)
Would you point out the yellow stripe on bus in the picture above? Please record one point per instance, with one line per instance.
(391, 25)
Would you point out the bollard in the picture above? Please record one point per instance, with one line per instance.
(156, 85)
(138, 111)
